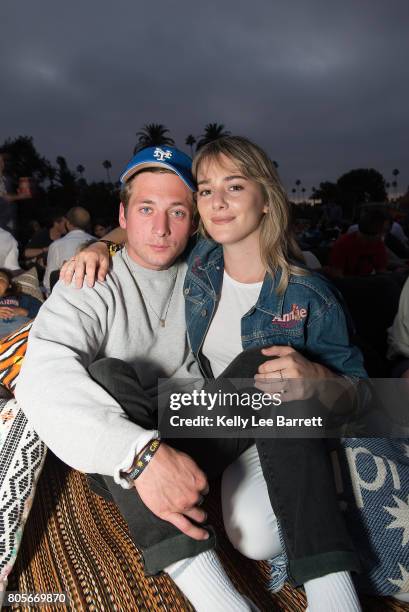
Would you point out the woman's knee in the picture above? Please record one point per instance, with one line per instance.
(248, 517)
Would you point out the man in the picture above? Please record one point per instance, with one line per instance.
(8, 251)
(77, 220)
(130, 320)
(37, 247)
(137, 318)
(362, 252)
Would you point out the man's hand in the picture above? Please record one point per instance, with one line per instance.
(92, 261)
(172, 487)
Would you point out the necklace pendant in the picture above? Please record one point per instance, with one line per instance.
(162, 322)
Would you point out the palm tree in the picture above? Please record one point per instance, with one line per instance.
(293, 191)
(153, 135)
(303, 193)
(213, 131)
(395, 173)
(80, 169)
(190, 141)
(298, 183)
(107, 165)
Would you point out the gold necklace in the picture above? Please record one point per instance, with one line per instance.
(161, 319)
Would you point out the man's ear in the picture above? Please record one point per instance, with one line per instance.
(122, 216)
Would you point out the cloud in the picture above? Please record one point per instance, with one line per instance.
(322, 86)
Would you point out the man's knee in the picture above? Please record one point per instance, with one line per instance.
(106, 368)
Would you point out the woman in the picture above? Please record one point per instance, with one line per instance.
(246, 289)
(16, 308)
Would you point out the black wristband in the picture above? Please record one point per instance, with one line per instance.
(142, 460)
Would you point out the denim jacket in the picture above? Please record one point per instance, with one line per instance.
(307, 316)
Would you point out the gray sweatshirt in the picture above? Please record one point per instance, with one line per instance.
(76, 418)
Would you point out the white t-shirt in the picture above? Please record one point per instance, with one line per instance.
(8, 251)
(62, 249)
(223, 341)
(398, 334)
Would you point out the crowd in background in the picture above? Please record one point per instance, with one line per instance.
(367, 258)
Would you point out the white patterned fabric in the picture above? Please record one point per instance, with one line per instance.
(372, 478)
(22, 455)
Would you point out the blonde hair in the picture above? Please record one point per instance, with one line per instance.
(278, 247)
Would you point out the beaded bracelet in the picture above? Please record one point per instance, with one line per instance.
(142, 460)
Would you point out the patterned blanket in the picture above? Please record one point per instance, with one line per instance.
(372, 479)
(22, 457)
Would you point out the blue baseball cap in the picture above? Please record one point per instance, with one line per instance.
(165, 157)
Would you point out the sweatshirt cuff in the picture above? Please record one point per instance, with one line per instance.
(128, 460)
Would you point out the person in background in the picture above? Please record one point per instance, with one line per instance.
(8, 251)
(398, 232)
(398, 336)
(362, 252)
(16, 308)
(101, 228)
(36, 250)
(8, 199)
(77, 221)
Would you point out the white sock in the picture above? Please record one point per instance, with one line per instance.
(332, 593)
(206, 585)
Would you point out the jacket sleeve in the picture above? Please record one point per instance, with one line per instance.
(76, 418)
(328, 343)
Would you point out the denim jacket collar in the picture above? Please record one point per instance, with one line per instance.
(209, 274)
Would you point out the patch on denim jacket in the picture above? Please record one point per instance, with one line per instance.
(290, 319)
(197, 262)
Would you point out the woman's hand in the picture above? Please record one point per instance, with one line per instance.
(92, 262)
(7, 312)
(289, 373)
(20, 312)
(291, 364)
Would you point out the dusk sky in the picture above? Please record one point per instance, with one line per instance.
(322, 85)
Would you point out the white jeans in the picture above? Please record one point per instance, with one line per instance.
(248, 517)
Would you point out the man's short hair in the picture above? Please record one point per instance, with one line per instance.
(372, 222)
(125, 193)
(79, 217)
(53, 215)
